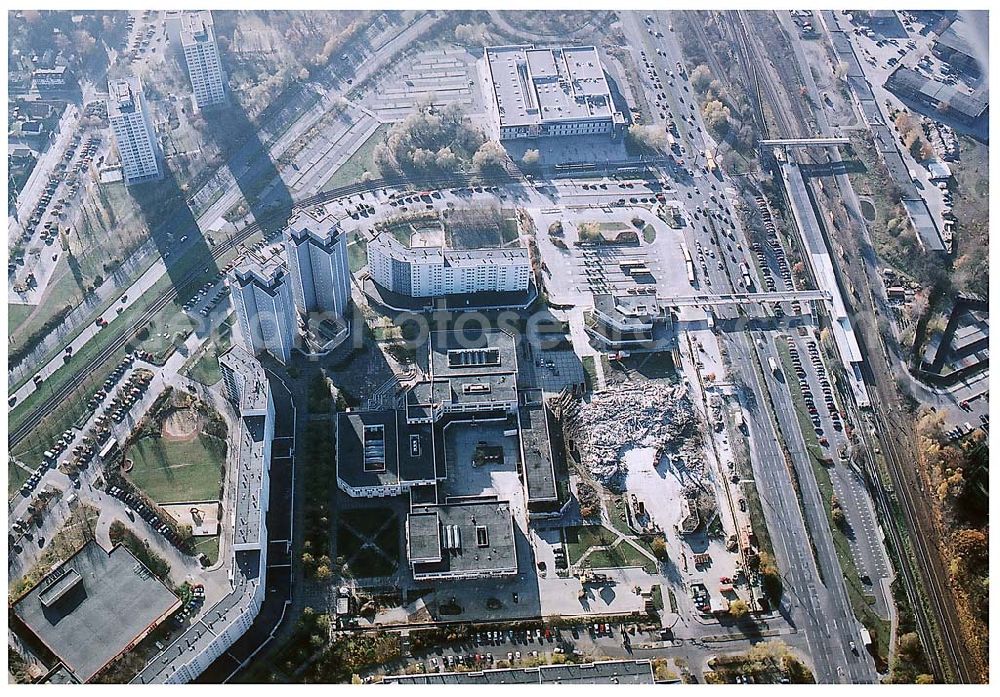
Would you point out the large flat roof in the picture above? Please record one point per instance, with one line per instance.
(539, 469)
(540, 85)
(910, 81)
(124, 96)
(474, 389)
(472, 536)
(635, 672)
(94, 605)
(473, 352)
(500, 256)
(254, 387)
(378, 448)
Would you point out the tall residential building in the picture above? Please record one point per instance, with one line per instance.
(133, 130)
(423, 272)
(201, 54)
(262, 298)
(317, 259)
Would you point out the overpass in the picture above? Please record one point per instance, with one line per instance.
(742, 298)
(807, 142)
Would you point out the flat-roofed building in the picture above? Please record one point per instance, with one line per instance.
(471, 539)
(550, 92)
(94, 607)
(197, 37)
(624, 322)
(538, 466)
(262, 298)
(380, 454)
(133, 131)
(422, 272)
(634, 672)
(966, 107)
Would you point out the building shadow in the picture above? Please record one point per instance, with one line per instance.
(266, 195)
(174, 230)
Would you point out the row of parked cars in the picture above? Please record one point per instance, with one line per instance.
(134, 504)
(191, 607)
(204, 292)
(824, 382)
(127, 395)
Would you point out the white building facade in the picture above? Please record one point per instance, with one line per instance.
(133, 131)
(433, 272)
(318, 265)
(201, 53)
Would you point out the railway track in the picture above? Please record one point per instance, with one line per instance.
(943, 648)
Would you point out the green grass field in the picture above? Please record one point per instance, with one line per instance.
(360, 162)
(357, 253)
(204, 367)
(209, 546)
(16, 476)
(16, 314)
(581, 538)
(174, 471)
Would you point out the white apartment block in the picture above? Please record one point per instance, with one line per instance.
(218, 628)
(262, 298)
(132, 127)
(426, 272)
(550, 92)
(201, 53)
(317, 260)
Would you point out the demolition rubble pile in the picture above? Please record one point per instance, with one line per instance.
(630, 415)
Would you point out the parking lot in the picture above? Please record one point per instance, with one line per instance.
(39, 247)
(442, 76)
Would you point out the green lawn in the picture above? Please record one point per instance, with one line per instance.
(16, 314)
(623, 555)
(360, 162)
(174, 471)
(357, 253)
(16, 476)
(649, 234)
(209, 546)
(581, 538)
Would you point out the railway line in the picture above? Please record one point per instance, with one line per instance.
(943, 648)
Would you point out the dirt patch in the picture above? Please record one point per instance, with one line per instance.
(181, 425)
(203, 517)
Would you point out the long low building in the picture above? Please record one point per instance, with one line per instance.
(636, 672)
(910, 84)
(425, 272)
(219, 626)
(550, 92)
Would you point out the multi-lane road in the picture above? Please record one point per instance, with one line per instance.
(816, 596)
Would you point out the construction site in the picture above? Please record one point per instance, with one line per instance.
(651, 461)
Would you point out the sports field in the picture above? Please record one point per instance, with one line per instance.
(178, 470)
